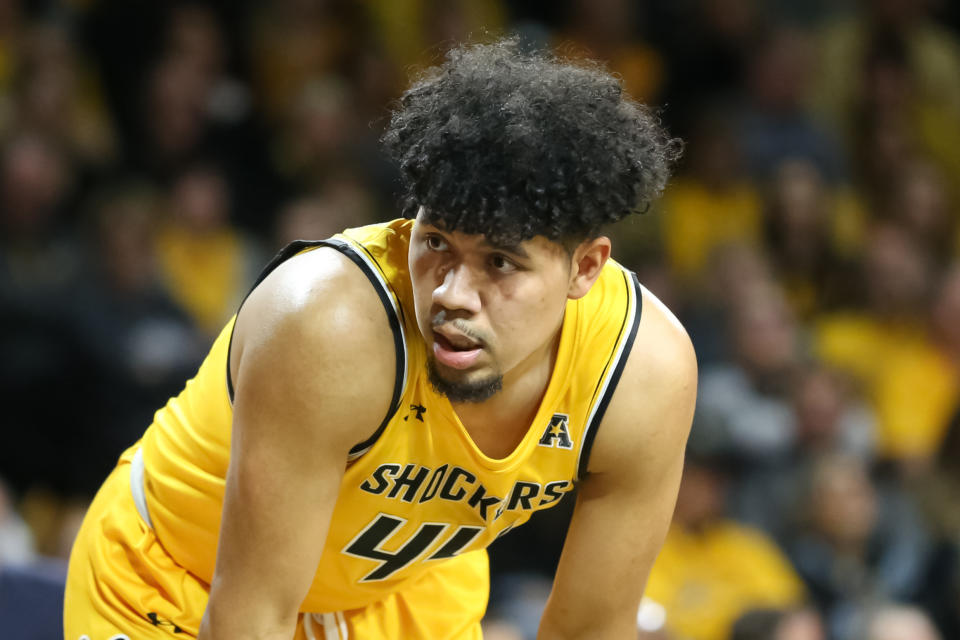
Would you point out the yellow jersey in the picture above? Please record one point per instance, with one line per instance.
(418, 491)
(706, 579)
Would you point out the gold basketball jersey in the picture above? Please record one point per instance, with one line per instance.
(418, 492)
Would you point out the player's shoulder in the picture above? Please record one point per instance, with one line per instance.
(661, 355)
(313, 355)
(662, 351)
(321, 287)
(317, 305)
(653, 403)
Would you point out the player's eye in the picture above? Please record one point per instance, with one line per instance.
(502, 263)
(436, 243)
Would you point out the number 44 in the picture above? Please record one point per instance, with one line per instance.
(367, 544)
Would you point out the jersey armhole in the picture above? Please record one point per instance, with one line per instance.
(614, 369)
(387, 297)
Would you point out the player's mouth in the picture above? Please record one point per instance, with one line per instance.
(455, 350)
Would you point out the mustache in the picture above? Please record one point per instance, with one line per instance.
(459, 324)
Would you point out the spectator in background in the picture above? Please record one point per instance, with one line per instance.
(776, 624)
(881, 133)
(733, 271)
(743, 407)
(44, 386)
(194, 107)
(444, 23)
(31, 600)
(211, 115)
(946, 331)
(296, 42)
(342, 204)
(887, 348)
(802, 229)
(847, 38)
(143, 343)
(827, 418)
(194, 33)
(59, 97)
(708, 53)
(206, 263)
(299, 43)
(16, 539)
(862, 544)
(920, 201)
(711, 569)
(320, 133)
(10, 31)
(888, 79)
(775, 124)
(175, 123)
(418, 33)
(324, 138)
(901, 623)
(608, 30)
(830, 417)
(37, 251)
(938, 491)
(711, 203)
(769, 409)
(31, 588)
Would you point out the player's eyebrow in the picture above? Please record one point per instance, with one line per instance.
(512, 248)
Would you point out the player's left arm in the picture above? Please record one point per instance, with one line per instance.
(627, 499)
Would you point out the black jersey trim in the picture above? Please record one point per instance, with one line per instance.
(282, 256)
(393, 310)
(611, 379)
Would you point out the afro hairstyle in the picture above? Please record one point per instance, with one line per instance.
(513, 144)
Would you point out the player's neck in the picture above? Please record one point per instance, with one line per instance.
(499, 424)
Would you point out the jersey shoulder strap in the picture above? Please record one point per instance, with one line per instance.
(377, 275)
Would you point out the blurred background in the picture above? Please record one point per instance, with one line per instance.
(153, 155)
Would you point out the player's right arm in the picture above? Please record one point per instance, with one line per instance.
(313, 367)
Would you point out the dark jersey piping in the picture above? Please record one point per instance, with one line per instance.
(398, 342)
(399, 347)
(399, 309)
(283, 255)
(601, 407)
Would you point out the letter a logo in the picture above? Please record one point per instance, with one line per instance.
(557, 431)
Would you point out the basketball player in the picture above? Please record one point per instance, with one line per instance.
(390, 401)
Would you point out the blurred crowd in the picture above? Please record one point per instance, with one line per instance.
(153, 155)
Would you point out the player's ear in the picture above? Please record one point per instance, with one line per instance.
(587, 263)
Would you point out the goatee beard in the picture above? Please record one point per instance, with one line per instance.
(462, 391)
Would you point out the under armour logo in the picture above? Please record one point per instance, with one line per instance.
(557, 431)
(418, 410)
(158, 622)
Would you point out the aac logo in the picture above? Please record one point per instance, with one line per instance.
(557, 433)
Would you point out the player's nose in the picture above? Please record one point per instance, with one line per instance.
(457, 290)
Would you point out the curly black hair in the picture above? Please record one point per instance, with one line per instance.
(510, 144)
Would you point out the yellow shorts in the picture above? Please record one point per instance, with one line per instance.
(122, 585)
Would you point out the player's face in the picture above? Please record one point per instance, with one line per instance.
(488, 313)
